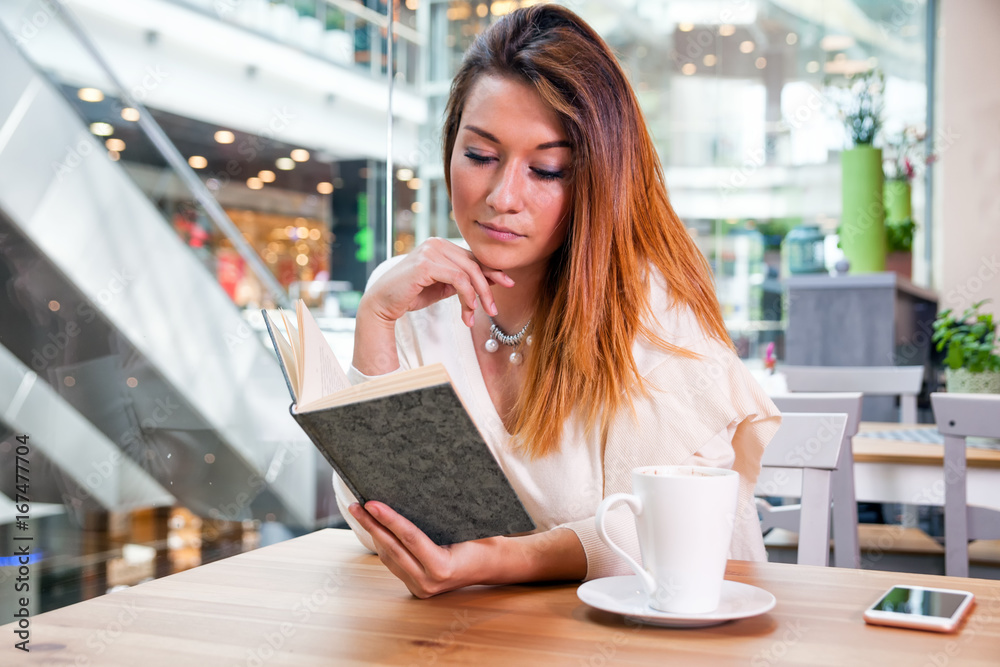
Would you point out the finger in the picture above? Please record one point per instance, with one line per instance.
(389, 548)
(414, 540)
(473, 270)
(481, 284)
(461, 280)
(498, 277)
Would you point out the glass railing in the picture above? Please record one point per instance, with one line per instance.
(345, 32)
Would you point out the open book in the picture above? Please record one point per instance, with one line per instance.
(404, 439)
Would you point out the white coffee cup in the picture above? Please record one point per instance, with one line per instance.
(684, 517)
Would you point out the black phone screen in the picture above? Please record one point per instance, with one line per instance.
(920, 602)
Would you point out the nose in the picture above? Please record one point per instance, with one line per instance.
(506, 193)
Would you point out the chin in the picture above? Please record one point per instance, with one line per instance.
(494, 259)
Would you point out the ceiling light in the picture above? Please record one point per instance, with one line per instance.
(709, 60)
(760, 63)
(266, 175)
(812, 66)
(836, 42)
(324, 188)
(300, 155)
(225, 137)
(727, 30)
(413, 184)
(54, 306)
(102, 129)
(404, 174)
(90, 94)
(254, 183)
(791, 38)
(114, 156)
(115, 144)
(746, 46)
(285, 163)
(689, 68)
(685, 27)
(130, 114)
(315, 234)
(197, 162)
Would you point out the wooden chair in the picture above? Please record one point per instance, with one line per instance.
(846, 551)
(902, 381)
(959, 416)
(810, 442)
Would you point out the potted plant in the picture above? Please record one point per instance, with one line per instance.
(862, 224)
(972, 365)
(902, 155)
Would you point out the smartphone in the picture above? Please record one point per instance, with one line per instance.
(920, 608)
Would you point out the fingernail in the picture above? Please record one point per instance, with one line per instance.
(472, 320)
(372, 509)
(354, 508)
(493, 310)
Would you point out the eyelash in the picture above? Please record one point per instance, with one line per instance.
(482, 161)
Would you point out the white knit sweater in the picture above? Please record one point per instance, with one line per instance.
(707, 411)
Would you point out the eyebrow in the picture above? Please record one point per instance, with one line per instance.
(489, 137)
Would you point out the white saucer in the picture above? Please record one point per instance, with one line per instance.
(625, 595)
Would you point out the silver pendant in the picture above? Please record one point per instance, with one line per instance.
(515, 358)
(492, 345)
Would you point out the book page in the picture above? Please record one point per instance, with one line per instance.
(321, 374)
(387, 385)
(286, 356)
(293, 340)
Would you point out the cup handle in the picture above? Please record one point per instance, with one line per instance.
(635, 504)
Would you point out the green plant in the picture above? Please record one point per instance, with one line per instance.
(970, 340)
(899, 235)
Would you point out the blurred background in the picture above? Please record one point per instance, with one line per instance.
(170, 167)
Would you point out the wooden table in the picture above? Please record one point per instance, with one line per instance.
(900, 471)
(322, 600)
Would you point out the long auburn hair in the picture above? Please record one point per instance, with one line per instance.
(594, 300)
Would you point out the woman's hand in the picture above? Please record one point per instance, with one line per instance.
(435, 270)
(428, 569)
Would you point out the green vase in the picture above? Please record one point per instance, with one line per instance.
(896, 198)
(862, 223)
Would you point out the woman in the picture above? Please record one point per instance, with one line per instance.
(581, 327)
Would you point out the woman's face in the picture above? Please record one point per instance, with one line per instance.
(510, 176)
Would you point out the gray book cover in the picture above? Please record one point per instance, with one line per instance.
(420, 453)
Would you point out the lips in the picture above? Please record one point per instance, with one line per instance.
(499, 232)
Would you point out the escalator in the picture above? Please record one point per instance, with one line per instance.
(136, 378)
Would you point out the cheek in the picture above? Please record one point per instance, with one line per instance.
(553, 207)
(463, 189)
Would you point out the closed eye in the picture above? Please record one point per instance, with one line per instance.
(542, 174)
(549, 175)
(478, 160)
